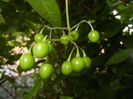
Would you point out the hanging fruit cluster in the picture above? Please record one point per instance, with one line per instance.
(43, 47)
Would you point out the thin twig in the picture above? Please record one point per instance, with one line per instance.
(55, 28)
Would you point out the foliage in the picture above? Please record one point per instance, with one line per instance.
(111, 73)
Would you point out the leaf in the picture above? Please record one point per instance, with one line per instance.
(110, 3)
(112, 28)
(119, 56)
(65, 97)
(128, 42)
(2, 4)
(48, 9)
(35, 88)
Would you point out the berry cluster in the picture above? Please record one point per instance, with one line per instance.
(43, 47)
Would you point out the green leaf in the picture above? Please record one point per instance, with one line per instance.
(112, 28)
(128, 42)
(2, 4)
(35, 88)
(48, 9)
(110, 3)
(65, 97)
(119, 56)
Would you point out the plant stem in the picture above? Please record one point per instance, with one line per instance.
(56, 28)
(74, 44)
(29, 51)
(77, 54)
(41, 30)
(84, 54)
(92, 29)
(54, 40)
(83, 21)
(67, 15)
(50, 34)
(70, 54)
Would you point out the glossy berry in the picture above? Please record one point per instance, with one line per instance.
(93, 36)
(41, 49)
(74, 35)
(77, 64)
(46, 70)
(66, 68)
(26, 62)
(64, 39)
(38, 37)
(87, 61)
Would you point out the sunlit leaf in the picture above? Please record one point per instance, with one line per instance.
(48, 9)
